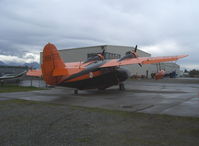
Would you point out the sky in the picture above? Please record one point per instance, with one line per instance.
(162, 28)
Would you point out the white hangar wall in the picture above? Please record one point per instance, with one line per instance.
(81, 54)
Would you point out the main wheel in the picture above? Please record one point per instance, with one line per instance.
(75, 91)
(121, 87)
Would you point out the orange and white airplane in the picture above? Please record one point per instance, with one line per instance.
(94, 73)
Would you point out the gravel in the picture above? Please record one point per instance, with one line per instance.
(31, 123)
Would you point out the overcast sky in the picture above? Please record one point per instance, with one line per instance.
(162, 28)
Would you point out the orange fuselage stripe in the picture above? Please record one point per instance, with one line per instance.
(87, 76)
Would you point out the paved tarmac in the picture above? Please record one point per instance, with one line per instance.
(169, 96)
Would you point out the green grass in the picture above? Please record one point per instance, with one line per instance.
(83, 139)
(16, 88)
(27, 102)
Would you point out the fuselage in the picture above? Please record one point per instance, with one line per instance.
(100, 79)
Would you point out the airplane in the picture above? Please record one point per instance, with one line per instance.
(93, 73)
(11, 76)
(160, 75)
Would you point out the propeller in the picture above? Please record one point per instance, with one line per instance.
(135, 50)
(103, 53)
(130, 54)
(97, 57)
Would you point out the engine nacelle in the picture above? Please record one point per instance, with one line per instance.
(98, 57)
(129, 55)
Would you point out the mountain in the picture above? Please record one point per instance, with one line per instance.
(2, 63)
(33, 65)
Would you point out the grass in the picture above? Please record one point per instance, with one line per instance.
(16, 88)
(83, 140)
(26, 102)
(103, 126)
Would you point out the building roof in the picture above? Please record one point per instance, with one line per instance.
(105, 46)
(7, 66)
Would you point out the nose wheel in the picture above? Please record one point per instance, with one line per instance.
(121, 87)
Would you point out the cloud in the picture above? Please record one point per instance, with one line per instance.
(27, 58)
(159, 27)
(168, 46)
(189, 66)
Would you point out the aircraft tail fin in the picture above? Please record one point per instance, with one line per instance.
(53, 67)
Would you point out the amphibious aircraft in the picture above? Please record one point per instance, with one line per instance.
(93, 73)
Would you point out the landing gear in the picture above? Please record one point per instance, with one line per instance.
(121, 87)
(101, 89)
(75, 91)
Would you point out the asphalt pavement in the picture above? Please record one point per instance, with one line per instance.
(169, 96)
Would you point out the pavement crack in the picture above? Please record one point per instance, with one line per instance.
(149, 106)
(177, 104)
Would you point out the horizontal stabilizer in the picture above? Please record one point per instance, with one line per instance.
(34, 73)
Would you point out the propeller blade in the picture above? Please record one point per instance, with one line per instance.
(136, 48)
(103, 52)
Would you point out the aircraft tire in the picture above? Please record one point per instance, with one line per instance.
(121, 87)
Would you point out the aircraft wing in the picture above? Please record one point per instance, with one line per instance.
(5, 77)
(116, 62)
(141, 60)
(76, 69)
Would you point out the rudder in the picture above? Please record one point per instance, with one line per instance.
(51, 62)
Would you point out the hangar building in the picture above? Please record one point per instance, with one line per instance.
(11, 69)
(114, 52)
